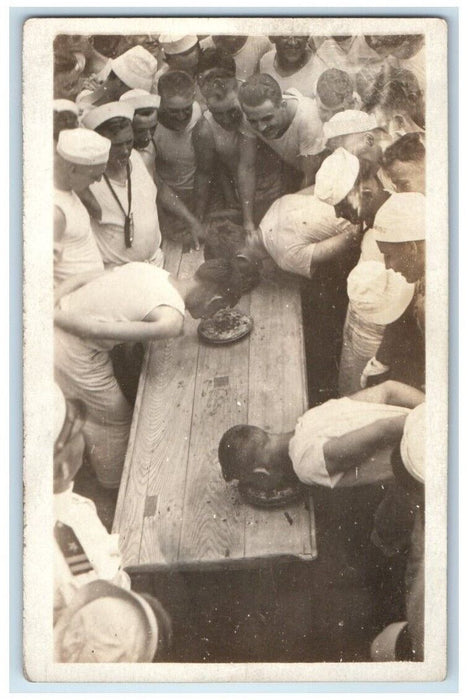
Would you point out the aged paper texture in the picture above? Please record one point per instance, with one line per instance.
(39, 35)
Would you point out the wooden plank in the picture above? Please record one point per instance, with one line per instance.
(277, 397)
(172, 377)
(213, 520)
(131, 502)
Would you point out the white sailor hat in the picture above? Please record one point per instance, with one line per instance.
(83, 147)
(350, 121)
(177, 43)
(98, 115)
(141, 99)
(402, 218)
(65, 106)
(336, 176)
(376, 294)
(136, 68)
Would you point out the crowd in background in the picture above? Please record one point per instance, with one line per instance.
(304, 154)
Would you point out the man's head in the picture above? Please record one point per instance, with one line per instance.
(145, 117)
(69, 443)
(81, 158)
(135, 68)
(106, 44)
(291, 50)
(384, 44)
(349, 185)
(398, 104)
(214, 63)
(254, 457)
(400, 232)
(219, 283)
(181, 52)
(409, 46)
(177, 91)
(68, 78)
(114, 122)
(222, 99)
(355, 131)
(405, 163)
(65, 116)
(229, 44)
(335, 93)
(263, 105)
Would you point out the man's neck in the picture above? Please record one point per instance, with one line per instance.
(117, 172)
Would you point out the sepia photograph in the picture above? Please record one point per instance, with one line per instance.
(235, 349)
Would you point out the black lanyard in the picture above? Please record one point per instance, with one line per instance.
(128, 217)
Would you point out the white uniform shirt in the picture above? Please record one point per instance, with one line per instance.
(304, 80)
(248, 57)
(292, 227)
(125, 293)
(76, 251)
(303, 137)
(101, 548)
(333, 419)
(109, 231)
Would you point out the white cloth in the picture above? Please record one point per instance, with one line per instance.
(361, 340)
(377, 294)
(333, 419)
(101, 548)
(247, 59)
(305, 79)
(109, 231)
(148, 156)
(76, 251)
(125, 293)
(111, 110)
(83, 147)
(303, 137)
(292, 227)
(336, 177)
(401, 218)
(136, 68)
(413, 443)
(175, 155)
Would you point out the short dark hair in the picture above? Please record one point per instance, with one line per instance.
(176, 82)
(334, 86)
(217, 60)
(64, 62)
(407, 148)
(400, 92)
(232, 278)
(112, 126)
(239, 451)
(219, 87)
(259, 88)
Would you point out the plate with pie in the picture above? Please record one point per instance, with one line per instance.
(272, 498)
(225, 326)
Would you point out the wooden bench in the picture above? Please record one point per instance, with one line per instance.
(174, 508)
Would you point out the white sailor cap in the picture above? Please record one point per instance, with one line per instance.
(98, 115)
(401, 218)
(136, 68)
(350, 121)
(177, 43)
(83, 147)
(336, 176)
(141, 99)
(65, 106)
(376, 294)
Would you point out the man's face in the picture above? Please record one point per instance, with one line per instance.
(67, 85)
(404, 258)
(121, 148)
(64, 120)
(177, 111)
(143, 128)
(266, 118)
(230, 44)
(371, 197)
(408, 176)
(291, 49)
(187, 61)
(226, 112)
(82, 176)
(364, 146)
(327, 113)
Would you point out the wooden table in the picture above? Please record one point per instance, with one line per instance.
(174, 508)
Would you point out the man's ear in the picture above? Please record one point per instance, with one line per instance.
(370, 139)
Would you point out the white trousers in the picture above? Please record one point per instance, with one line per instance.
(87, 374)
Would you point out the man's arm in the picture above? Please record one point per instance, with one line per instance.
(170, 201)
(169, 323)
(246, 179)
(205, 154)
(352, 449)
(392, 393)
(331, 248)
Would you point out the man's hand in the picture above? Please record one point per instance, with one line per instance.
(374, 368)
